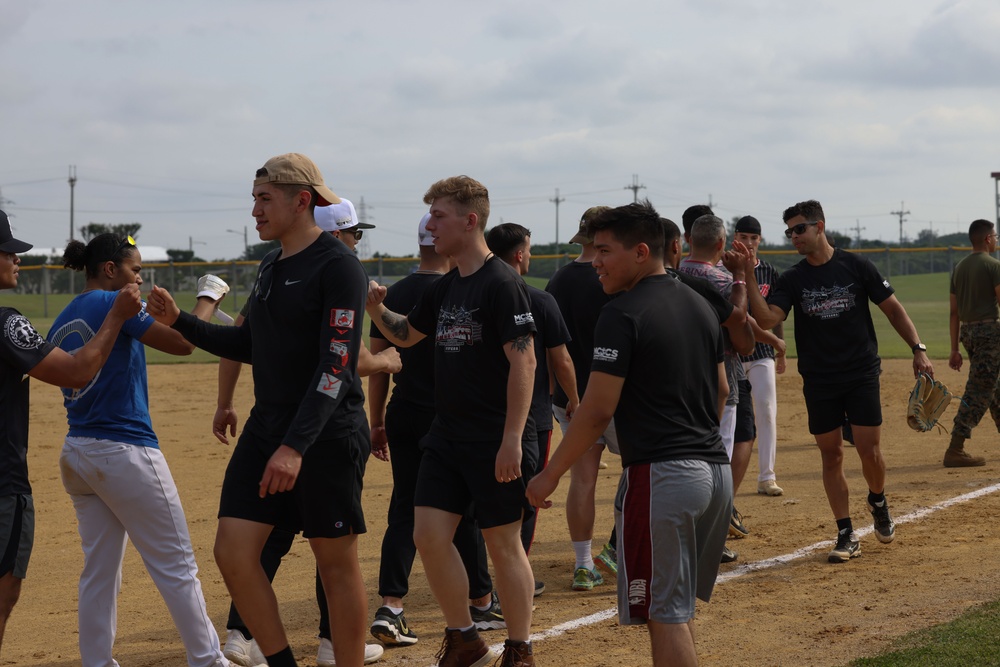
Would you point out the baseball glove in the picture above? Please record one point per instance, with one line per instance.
(927, 403)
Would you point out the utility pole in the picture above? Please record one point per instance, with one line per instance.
(857, 232)
(72, 210)
(996, 181)
(362, 211)
(901, 213)
(557, 200)
(635, 187)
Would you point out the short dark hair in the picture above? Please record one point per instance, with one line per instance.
(506, 239)
(631, 225)
(671, 232)
(102, 248)
(693, 213)
(810, 209)
(979, 230)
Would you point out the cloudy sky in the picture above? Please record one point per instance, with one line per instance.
(167, 109)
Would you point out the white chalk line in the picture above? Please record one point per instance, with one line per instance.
(765, 564)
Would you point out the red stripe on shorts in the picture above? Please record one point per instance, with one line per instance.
(636, 554)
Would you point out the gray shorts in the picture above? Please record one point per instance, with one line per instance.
(17, 534)
(610, 437)
(669, 556)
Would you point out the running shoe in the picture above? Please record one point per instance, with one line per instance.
(848, 547)
(324, 655)
(885, 529)
(242, 651)
(769, 487)
(391, 629)
(489, 619)
(736, 527)
(539, 588)
(607, 560)
(728, 555)
(585, 580)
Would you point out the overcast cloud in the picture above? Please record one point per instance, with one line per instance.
(167, 109)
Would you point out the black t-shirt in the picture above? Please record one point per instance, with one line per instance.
(471, 319)
(552, 332)
(834, 333)
(21, 350)
(720, 304)
(580, 297)
(414, 385)
(665, 340)
(302, 334)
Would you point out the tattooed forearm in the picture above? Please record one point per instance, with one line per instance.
(397, 324)
(521, 343)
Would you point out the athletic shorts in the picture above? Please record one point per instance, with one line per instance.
(326, 498)
(17, 534)
(827, 404)
(746, 429)
(460, 478)
(669, 556)
(609, 438)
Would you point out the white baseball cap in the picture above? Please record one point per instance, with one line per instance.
(423, 236)
(337, 217)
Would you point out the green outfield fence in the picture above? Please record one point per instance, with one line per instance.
(183, 276)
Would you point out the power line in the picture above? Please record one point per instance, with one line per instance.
(635, 187)
(900, 213)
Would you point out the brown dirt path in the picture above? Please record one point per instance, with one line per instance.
(803, 612)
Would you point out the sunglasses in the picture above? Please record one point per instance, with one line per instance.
(264, 280)
(126, 242)
(356, 232)
(797, 229)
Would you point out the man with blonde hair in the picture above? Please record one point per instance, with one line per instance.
(484, 366)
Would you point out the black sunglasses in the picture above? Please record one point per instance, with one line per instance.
(357, 232)
(264, 280)
(797, 229)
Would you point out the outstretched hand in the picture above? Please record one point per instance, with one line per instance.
(376, 294)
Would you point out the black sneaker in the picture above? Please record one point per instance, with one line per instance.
(391, 629)
(490, 619)
(885, 529)
(848, 547)
(736, 527)
(728, 555)
(539, 588)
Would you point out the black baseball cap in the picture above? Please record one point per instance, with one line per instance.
(747, 225)
(7, 241)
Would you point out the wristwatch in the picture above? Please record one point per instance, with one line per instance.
(919, 347)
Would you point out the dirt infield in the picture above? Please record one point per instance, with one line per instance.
(802, 611)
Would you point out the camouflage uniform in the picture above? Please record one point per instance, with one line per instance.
(982, 390)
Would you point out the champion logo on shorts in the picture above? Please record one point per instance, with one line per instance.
(605, 354)
(637, 592)
(329, 385)
(523, 318)
(20, 332)
(342, 318)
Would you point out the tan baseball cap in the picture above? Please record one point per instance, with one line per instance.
(296, 169)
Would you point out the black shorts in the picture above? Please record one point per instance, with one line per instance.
(17, 534)
(827, 404)
(459, 477)
(746, 430)
(326, 498)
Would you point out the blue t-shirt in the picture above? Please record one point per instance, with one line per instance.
(115, 404)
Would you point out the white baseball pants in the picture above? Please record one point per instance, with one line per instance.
(765, 413)
(120, 492)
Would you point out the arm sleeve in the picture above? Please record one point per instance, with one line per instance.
(878, 287)
(234, 343)
(781, 293)
(345, 288)
(22, 346)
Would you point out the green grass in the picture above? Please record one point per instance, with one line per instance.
(971, 639)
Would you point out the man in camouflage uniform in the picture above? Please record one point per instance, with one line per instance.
(975, 293)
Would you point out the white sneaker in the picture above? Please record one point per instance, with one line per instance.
(769, 488)
(324, 656)
(242, 651)
(213, 287)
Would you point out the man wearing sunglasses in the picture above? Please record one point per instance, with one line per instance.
(341, 220)
(838, 358)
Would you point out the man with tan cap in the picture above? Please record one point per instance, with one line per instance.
(299, 462)
(580, 296)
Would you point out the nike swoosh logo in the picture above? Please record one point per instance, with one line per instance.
(292, 282)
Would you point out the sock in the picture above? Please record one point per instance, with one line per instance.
(282, 658)
(584, 558)
(395, 610)
(485, 607)
(876, 499)
(465, 631)
(844, 525)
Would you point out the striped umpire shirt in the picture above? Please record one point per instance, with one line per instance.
(766, 276)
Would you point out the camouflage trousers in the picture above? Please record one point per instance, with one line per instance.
(982, 390)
